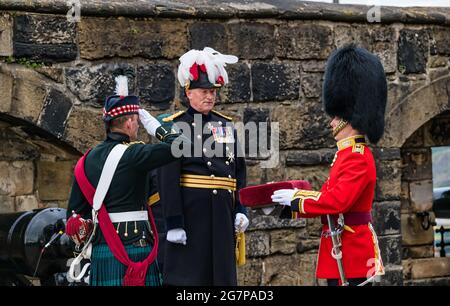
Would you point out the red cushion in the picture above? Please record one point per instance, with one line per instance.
(260, 195)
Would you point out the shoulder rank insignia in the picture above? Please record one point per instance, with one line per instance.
(171, 117)
(222, 115)
(358, 148)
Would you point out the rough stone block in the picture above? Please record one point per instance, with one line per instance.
(126, 37)
(304, 41)
(156, 84)
(386, 218)
(28, 98)
(84, 128)
(56, 110)
(421, 195)
(26, 203)
(418, 252)
(388, 186)
(275, 82)
(258, 243)
(425, 268)
(308, 245)
(303, 127)
(315, 175)
(310, 157)
(44, 38)
(438, 61)
(435, 281)
(250, 274)
(412, 51)
(283, 241)
(387, 53)
(313, 66)
(238, 88)
(6, 88)
(312, 85)
(386, 153)
(6, 46)
(293, 270)
(261, 222)
(391, 249)
(258, 131)
(209, 34)
(16, 178)
(54, 179)
(393, 276)
(94, 83)
(440, 41)
(418, 165)
(252, 40)
(6, 204)
(413, 233)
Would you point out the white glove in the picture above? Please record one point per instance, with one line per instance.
(177, 235)
(241, 222)
(284, 196)
(148, 121)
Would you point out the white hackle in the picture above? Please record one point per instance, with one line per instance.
(121, 85)
(213, 60)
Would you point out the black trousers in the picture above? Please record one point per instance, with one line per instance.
(351, 282)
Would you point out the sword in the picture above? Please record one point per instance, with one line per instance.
(336, 252)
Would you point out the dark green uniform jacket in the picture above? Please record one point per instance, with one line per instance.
(207, 215)
(129, 186)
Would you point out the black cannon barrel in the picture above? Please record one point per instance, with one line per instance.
(23, 236)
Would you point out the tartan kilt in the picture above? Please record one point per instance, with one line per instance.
(106, 270)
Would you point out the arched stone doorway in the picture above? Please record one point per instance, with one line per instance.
(415, 124)
(420, 266)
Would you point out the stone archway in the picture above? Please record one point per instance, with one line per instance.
(414, 124)
(407, 115)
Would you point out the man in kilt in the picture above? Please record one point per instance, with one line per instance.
(129, 224)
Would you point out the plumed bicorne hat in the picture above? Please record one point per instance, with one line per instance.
(121, 103)
(204, 68)
(355, 89)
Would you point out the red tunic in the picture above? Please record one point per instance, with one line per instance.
(349, 188)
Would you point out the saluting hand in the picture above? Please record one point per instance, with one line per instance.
(148, 121)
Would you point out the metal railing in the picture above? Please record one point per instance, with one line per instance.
(442, 244)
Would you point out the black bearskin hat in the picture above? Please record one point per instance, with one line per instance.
(355, 89)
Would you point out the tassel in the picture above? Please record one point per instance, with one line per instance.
(240, 249)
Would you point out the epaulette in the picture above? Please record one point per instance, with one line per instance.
(222, 115)
(358, 148)
(134, 142)
(176, 115)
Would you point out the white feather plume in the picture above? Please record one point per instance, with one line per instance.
(121, 85)
(213, 60)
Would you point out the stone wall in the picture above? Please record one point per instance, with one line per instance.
(55, 74)
(419, 266)
(34, 172)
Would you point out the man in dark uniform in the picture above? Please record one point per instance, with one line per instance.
(199, 191)
(354, 95)
(125, 200)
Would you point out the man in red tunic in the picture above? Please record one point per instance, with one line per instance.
(354, 96)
